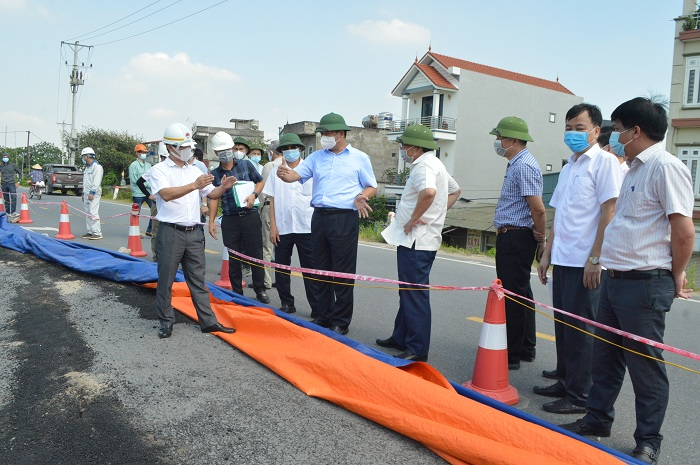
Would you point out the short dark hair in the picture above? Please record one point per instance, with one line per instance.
(604, 137)
(198, 154)
(646, 113)
(593, 112)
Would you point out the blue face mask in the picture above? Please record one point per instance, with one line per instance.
(615, 144)
(291, 155)
(576, 141)
(5, 159)
(255, 158)
(142, 156)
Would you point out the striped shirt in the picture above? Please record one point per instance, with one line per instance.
(657, 184)
(523, 179)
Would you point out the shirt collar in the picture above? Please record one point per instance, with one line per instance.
(649, 152)
(592, 152)
(517, 157)
(346, 149)
(424, 157)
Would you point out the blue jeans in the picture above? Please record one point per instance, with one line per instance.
(140, 201)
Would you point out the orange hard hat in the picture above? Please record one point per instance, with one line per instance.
(140, 148)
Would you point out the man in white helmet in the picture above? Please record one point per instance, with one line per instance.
(178, 187)
(92, 192)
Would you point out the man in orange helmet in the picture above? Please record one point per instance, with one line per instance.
(137, 169)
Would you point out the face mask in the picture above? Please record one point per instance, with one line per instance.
(615, 144)
(239, 155)
(405, 157)
(185, 153)
(84, 160)
(142, 156)
(498, 147)
(328, 142)
(576, 141)
(225, 156)
(256, 158)
(291, 155)
(5, 159)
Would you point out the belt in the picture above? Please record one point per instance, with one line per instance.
(332, 211)
(180, 227)
(505, 229)
(639, 274)
(242, 212)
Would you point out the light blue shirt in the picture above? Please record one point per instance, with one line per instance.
(338, 178)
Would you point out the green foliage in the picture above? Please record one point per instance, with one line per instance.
(379, 211)
(397, 178)
(114, 150)
(42, 153)
(110, 179)
(371, 233)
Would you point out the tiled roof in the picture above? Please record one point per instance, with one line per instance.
(435, 77)
(448, 62)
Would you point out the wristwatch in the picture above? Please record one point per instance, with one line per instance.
(256, 194)
(594, 260)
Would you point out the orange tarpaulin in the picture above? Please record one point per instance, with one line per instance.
(416, 401)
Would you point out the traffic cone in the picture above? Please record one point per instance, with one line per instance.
(24, 211)
(491, 367)
(134, 243)
(224, 280)
(64, 224)
(2, 204)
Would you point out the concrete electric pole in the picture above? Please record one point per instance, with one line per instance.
(76, 80)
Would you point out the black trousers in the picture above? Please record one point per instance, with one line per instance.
(335, 238)
(283, 256)
(244, 235)
(515, 251)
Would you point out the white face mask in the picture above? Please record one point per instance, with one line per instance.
(328, 142)
(185, 153)
(239, 155)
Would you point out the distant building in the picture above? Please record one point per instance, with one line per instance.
(247, 128)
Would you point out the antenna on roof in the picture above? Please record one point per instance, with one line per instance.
(430, 46)
(557, 78)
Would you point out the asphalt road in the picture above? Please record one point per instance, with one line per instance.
(455, 337)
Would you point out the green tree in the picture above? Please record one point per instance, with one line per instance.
(43, 153)
(114, 150)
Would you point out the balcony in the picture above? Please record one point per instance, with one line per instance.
(442, 127)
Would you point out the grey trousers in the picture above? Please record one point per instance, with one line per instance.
(268, 249)
(187, 248)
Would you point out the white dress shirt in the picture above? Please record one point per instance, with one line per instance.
(293, 208)
(185, 210)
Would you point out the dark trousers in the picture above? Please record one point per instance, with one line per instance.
(639, 307)
(574, 348)
(186, 248)
(9, 193)
(244, 235)
(515, 251)
(335, 249)
(140, 201)
(413, 321)
(283, 256)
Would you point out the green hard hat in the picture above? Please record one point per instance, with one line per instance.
(257, 146)
(289, 139)
(242, 141)
(332, 122)
(418, 136)
(512, 127)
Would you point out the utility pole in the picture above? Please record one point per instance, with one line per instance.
(76, 80)
(63, 141)
(28, 133)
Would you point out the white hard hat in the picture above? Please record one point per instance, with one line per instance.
(162, 151)
(179, 135)
(88, 151)
(221, 141)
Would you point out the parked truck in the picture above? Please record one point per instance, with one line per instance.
(63, 178)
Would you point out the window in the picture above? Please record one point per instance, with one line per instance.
(691, 157)
(552, 117)
(692, 78)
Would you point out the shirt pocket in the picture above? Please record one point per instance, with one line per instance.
(582, 189)
(637, 204)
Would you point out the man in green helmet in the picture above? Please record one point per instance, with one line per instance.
(343, 183)
(417, 233)
(520, 221)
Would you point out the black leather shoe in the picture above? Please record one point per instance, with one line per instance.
(550, 374)
(262, 297)
(563, 406)
(408, 355)
(389, 343)
(165, 332)
(555, 390)
(514, 365)
(583, 428)
(342, 330)
(218, 328)
(288, 308)
(646, 454)
(321, 323)
(528, 355)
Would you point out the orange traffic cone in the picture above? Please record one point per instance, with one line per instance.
(224, 280)
(24, 211)
(491, 367)
(64, 224)
(134, 243)
(2, 204)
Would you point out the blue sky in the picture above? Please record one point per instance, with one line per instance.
(279, 61)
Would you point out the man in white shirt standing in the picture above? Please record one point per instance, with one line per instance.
(290, 224)
(275, 161)
(417, 233)
(178, 187)
(584, 200)
(646, 248)
(92, 193)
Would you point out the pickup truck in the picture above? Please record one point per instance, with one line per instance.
(63, 178)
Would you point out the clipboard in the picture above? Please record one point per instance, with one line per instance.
(241, 190)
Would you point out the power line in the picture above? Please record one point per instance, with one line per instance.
(133, 22)
(115, 22)
(167, 24)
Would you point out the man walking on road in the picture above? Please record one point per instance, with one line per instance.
(10, 183)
